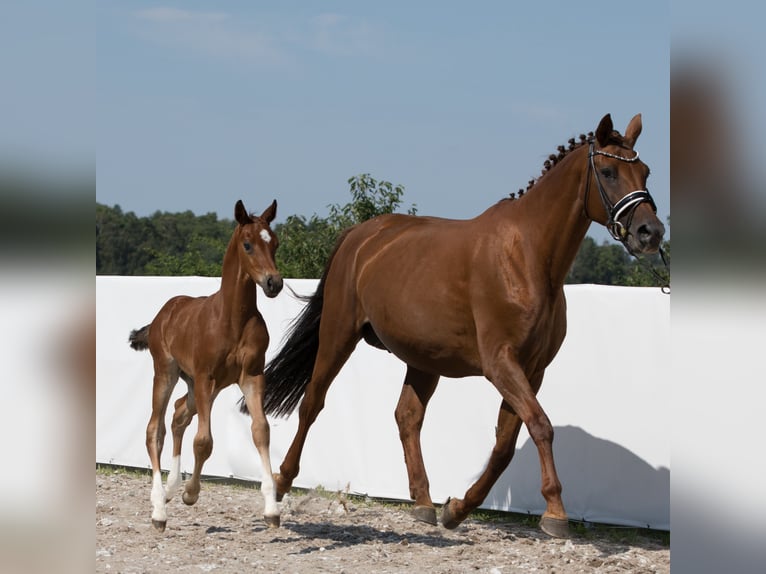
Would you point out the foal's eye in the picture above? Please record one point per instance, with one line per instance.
(248, 247)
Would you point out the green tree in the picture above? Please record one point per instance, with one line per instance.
(306, 244)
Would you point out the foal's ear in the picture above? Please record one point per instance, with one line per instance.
(633, 131)
(604, 130)
(270, 213)
(241, 214)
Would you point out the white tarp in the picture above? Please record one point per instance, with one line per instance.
(606, 393)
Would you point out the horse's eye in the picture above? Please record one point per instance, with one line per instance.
(247, 246)
(608, 173)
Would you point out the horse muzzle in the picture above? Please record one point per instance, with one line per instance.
(271, 285)
(646, 237)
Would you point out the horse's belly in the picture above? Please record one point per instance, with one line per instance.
(449, 357)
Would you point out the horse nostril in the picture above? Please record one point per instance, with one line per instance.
(650, 235)
(273, 285)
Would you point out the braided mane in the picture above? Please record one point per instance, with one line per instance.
(553, 159)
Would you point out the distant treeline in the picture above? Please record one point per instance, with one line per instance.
(187, 244)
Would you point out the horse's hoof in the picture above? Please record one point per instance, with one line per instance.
(556, 527)
(271, 521)
(189, 499)
(159, 525)
(425, 514)
(280, 495)
(449, 521)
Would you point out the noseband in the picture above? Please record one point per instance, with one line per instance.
(625, 206)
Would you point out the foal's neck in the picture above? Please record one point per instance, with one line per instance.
(238, 292)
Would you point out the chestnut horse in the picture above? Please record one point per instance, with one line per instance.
(464, 298)
(212, 342)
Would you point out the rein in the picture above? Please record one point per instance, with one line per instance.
(624, 207)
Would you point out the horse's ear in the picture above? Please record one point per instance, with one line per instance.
(240, 213)
(633, 130)
(604, 130)
(271, 212)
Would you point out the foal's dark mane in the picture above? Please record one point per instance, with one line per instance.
(563, 151)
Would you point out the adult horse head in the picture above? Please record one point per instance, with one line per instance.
(630, 217)
(463, 298)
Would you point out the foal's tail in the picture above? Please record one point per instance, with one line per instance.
(289, 372)
(139, 338)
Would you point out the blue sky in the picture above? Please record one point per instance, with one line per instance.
(203, 103)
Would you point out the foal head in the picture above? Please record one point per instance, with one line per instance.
(626, 208)
(256, 245)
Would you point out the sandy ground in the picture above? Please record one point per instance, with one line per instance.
(225, 533)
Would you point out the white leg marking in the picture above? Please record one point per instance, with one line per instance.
(268, 488)
(174, 478)
(158, 498)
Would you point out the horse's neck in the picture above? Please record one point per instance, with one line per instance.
(238, 291)
(550, 217)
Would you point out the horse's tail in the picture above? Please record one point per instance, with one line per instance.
(139, 338)
(289, 372)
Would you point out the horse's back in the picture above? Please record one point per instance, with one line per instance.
(437, 291)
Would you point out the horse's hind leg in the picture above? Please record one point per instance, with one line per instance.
(204, 395)
(334, 350)
(252, 389)
(184, 412)
(165, 378)
(416, 392)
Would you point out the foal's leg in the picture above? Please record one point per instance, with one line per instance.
(184, 413)
(204, 395)
(165, 378)
(252, 388)
(416, 392)
(334, 350)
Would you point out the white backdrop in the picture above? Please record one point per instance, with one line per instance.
(606, 394)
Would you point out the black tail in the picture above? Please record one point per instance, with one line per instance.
(289, 372)
(139, 338)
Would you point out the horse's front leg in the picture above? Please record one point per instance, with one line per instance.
(252, 389)
(521, 405)
(508, 426)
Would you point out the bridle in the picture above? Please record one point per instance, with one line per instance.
(624, 207)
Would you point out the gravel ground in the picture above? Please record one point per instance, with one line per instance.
(324, 532)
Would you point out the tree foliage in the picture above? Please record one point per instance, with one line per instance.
(185, 244)
(306, 244)
(162, 244)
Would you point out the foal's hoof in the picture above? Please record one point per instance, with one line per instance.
(425, 514)
(271, 521)
(449, 520)
(189, 499)
(159, 525)
(556, 527)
